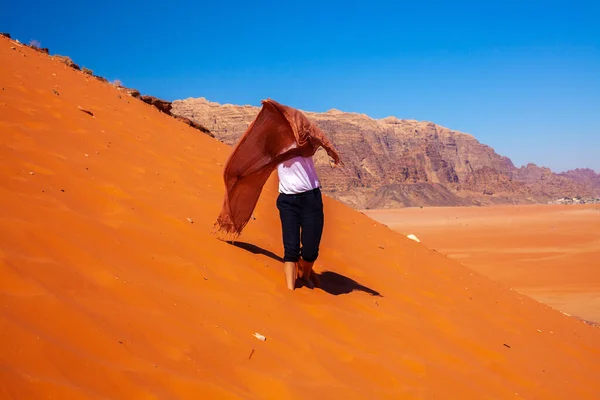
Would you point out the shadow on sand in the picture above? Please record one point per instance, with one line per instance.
(336, 284)
(330, 282)
(256, 250)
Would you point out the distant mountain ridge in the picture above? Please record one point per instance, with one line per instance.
(393, 162)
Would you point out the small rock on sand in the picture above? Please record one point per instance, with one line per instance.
(413, 237)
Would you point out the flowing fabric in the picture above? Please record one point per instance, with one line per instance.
(277, 134)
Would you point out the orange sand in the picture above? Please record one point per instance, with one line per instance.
(549, 252)
(108, 291)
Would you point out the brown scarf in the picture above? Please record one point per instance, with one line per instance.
(277, 134)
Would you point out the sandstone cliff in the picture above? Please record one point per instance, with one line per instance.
(392, 162)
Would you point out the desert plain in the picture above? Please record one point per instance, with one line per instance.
(549, 252)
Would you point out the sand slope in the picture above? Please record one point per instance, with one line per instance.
(107, 291)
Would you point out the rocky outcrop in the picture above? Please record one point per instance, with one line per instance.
(66, 60)
(161, 105)
(164, 106)
(43, 50)
(393, 162)
(130, 92)
(194, 125)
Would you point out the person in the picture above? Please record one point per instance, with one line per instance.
(282, 138)
(300, 205)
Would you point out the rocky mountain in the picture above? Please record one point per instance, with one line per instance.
(541, 181)
(392, 162)
(585, 176)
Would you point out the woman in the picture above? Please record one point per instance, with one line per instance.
(279, 133)
(301, 211)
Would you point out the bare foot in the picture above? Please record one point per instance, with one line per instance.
(306, 273)
(290, 270)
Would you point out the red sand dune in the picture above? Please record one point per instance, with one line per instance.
(549, 252)
(107, 291)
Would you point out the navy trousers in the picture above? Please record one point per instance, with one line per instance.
(301, 224)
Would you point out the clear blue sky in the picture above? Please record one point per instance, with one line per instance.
(521, 76)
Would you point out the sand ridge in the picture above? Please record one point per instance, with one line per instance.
(108, 291)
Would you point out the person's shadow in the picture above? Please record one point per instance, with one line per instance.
(329, 281)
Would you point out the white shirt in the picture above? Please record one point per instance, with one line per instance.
(297, 175)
